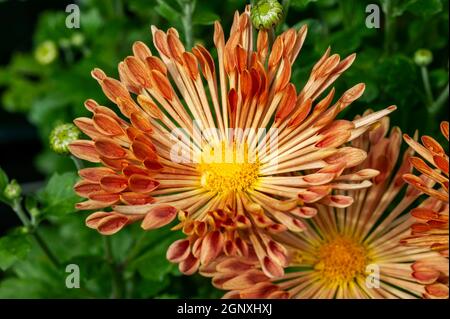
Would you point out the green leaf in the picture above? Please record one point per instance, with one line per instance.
(3, 180)
(150, 288)
(11, 288)
(5, 76)
(95, 275)
(418, 7)
(48, 162)
(46, 110)
(167, 12)
(20, 95)
(439, 78)
(13, 247)
(152, 264)
(301, 4)
(36, 277)
(25, 64)
(58, 196)
(141, 7)
(91, 21)
(70, 231)
(425, 7)
(204, 17)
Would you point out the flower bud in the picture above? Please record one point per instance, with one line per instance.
(13, 190)
(266, 14)
(61, 136)
(77, 39)
(423, 57)
(24, 230)
(46, 52)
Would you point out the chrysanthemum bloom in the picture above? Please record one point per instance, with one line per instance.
(192, 143)
(352, 252)
(431, 228)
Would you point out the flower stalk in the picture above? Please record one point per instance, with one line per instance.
(78, 163)
(17, 207)
(426, 84)
(117, 276)
(188, 8)
(423, 58)
(389, 27)
(440, 101)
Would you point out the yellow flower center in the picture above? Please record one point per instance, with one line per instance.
(228, 168)
(341, 260)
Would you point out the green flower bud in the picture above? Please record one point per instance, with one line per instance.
(34, 212)
(24, 230)
(77, 39)
(46, 52)
(423, 57)
(61, 136)
(266, 14)
(12, 190)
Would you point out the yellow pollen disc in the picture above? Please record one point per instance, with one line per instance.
(341, 260)
(227, 169)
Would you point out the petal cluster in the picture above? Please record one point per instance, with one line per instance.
(431, 226)
(181, 106)
(325, 260)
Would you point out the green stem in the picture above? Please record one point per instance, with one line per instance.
(271, 33)
(389, 27)
(45, 248)
(17, 207)
(188, 10)
(135, 250)
(437, 105)
(117, 278)
(78, 163)
(426, 84)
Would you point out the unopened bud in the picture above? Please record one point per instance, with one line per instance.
(13, 190)
(266, 14)
(77, 39)
(423, 57)
(46, 52)
(61, 136)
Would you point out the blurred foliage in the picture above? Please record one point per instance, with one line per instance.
(49, 85)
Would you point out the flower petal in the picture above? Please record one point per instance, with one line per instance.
(178, 250)
(158, 216)
(211, 247)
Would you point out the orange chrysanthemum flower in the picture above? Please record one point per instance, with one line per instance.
(352, 252)
(194, 144)
(431, 228)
